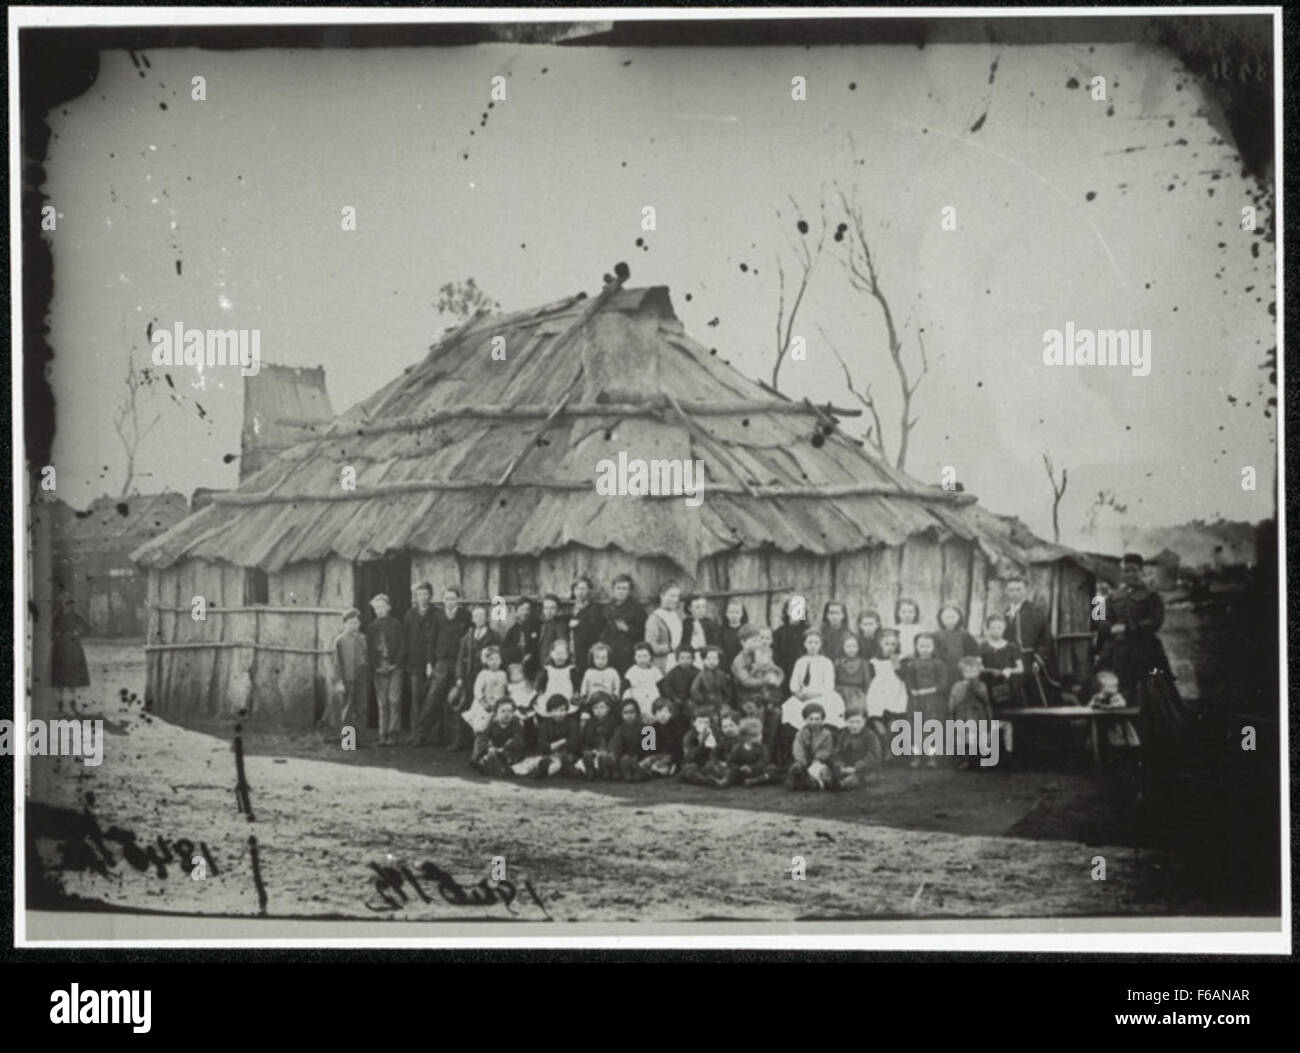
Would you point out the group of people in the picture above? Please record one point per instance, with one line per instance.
(610, 691)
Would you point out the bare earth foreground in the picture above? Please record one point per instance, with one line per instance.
(921, 844)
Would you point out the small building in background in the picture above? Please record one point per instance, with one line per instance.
(92, 557)
(282, 405)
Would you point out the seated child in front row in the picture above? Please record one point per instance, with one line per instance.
(557, 738)
(703, 762)
(627, 743)
(669, 728)
(643, 678)
(859, 752)
(524, 696)
(600, 677)
(594, 736)
(748, 763)
(499, 746)
(814, 753)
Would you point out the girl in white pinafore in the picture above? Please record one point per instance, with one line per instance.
(887, 695)
(813, 680)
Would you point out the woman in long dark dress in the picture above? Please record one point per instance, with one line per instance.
(69, 660)
(1132, 649)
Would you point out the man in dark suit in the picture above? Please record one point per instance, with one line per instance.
(450, 623)
(1028, 629)
(418, 627)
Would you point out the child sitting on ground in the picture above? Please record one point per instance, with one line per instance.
(702, 761)
(813, 767)
(593, 739)
(499, 746)
(600, 677)
(666, 752)
(626, 744)
(643, 678)
(748, 763)
(557, 738)
(859, 752)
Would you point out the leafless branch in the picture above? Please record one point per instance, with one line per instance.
(875, 432)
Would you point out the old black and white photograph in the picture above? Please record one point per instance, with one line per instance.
(624, 473)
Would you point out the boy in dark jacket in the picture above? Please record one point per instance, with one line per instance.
(387, 647)
(625, 745)
(501, 744)
(594, 736)
(677, 682)
(748, 762)
(557, 739)
(418, 629)
(814, 753)
(437, 722)
(703, 762)
(670, 728)
(858, 752)
(519, 644)
(353, 669)
(712, 687)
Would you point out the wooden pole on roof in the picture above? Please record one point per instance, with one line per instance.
(584, 316)
(704, 440)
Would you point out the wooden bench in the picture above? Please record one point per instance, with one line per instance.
(1092, 715)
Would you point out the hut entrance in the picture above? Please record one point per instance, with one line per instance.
(389, 576)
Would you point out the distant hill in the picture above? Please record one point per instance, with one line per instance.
(1198, 544)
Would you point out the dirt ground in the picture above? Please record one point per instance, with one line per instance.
(334, 830)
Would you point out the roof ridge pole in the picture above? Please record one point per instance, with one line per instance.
(584, 316)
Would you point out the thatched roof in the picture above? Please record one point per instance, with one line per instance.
(467, 453)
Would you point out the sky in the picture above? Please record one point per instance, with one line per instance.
(1122, 213)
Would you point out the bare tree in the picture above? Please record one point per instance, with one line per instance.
(1058, 491)
(875, 436)
(865, 278)
(807, 257)
(127, 421)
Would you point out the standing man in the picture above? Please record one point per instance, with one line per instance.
(1027, 628)
(450, 624)
(385, 643)
(418, 627)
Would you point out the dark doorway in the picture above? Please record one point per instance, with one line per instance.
(392, 577)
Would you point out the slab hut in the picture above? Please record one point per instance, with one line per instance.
(478, 466)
